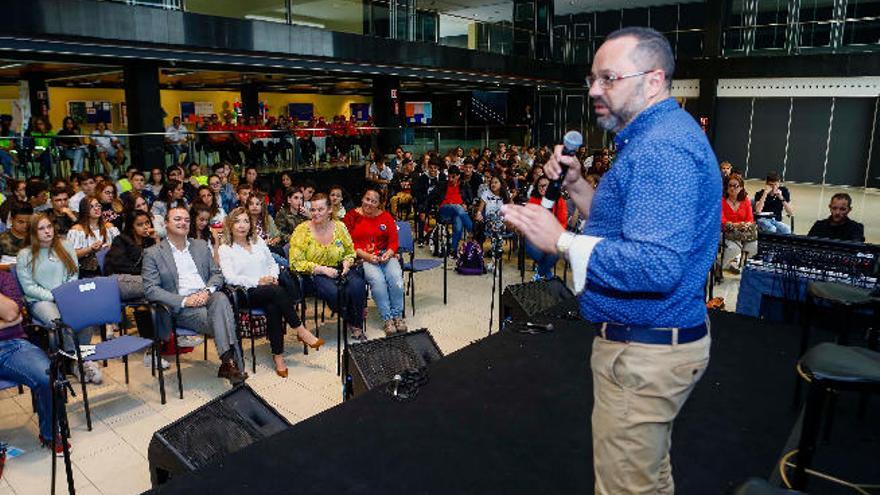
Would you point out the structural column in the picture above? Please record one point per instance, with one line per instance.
(716, 16)
(250, 100)
(145, 115)
(388, 111)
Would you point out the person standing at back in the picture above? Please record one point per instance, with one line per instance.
(640, 263)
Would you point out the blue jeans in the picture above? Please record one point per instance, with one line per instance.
(545, 261)
(45, 159)
(77, 156)
(458, 217)
(353, 300)
(386, 285)
(176, 151)
(46, 312)
(23, 362)
(773, 226)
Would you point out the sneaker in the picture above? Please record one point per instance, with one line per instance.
(490, 267)
(93, 373)
(536, 277)
(148, 361)
(189, 341)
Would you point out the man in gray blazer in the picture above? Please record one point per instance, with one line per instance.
(181, 274)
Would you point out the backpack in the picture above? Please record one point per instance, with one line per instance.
(470, 259)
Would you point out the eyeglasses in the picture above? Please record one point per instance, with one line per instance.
(608, 80)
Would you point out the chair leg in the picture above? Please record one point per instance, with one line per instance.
(20, 389)
(154, 353)
(253, 350)
(125, 364)
(177, 362)
(812, 423)
(82, 380)
(412, 292)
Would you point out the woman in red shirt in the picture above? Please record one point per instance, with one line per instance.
(546, 261)
(737, 220)
(374, 234)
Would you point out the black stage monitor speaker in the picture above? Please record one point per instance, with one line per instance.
(523, 302)
(228, 423)
(375, 362)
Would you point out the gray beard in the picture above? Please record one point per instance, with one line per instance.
(610, 122)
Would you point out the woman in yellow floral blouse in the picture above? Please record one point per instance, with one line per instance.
(321, 248)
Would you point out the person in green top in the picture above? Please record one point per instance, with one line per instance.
(8, 149)
(42, 139)
(322, 250)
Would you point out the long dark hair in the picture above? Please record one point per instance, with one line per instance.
(214, 207)
(742, 187)
(82, 218)
(130, 218)
(205, 233)
(503, 192)
(168, 190)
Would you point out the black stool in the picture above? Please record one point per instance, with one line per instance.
(829, 369)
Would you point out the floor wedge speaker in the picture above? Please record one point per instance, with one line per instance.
(523, 302)
(228, 423)
(375, 362)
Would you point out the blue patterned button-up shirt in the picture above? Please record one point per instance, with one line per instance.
(658, 212)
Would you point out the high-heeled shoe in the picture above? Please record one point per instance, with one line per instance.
(281, 373)
(317, 345)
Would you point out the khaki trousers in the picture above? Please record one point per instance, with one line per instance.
(638, 390)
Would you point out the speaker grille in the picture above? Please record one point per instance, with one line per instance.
(533, 298)
(379, 360)
(210, 433)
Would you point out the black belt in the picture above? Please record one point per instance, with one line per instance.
(649, 335)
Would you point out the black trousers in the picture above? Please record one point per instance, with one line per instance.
(277, 303)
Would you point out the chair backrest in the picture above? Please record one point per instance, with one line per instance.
(404, 237)
(88, 302)
(101, 255)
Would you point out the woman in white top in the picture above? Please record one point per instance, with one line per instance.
(246, 261)
(89, 235)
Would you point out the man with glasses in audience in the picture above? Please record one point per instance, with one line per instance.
(61, 215)
(640, 263)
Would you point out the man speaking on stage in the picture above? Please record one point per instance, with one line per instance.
(641, 262)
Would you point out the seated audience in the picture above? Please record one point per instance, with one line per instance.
(111, 206)
(89, 235)
(336, 202)
(139, 186)
(379, 174)
(737, 223)
(264, 225)
(23, 362)
(107, 146)
(292, 214)
(487, 219)
(15, 236)
(38, 195)
(453, 206)
(156, 182)
(246, 261)
(838, 225)
(173, 195)
(45, 264)
(279, 197)
(226, 191)
(189, 184)
(401, 190)
(545, 261)
(773, 198)
(87, 184)
(322, 249)
(61, 215)
(181, 274)
(177, 138)
(207, 198)
(374, 235)
(71, 144)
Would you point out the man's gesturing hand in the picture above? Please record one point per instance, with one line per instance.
(537, 223)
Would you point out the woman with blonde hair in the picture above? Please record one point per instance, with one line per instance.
(246, 261)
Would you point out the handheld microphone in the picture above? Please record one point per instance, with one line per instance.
(571, 142)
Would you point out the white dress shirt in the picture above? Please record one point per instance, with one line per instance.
(176, 135)
(246, 268)
(188, 279)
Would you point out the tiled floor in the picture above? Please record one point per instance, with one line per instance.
(112, 459)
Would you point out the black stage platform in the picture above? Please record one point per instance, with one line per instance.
(510, 414)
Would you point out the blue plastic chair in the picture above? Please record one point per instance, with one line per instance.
(406, 245)
(95, 301)
(101, 255)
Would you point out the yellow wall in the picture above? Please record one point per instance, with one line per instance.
(325, 105)
(171, 100)
(58, 98)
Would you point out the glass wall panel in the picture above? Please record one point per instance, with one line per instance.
(770, 24)
(257, 10)
(346, 16)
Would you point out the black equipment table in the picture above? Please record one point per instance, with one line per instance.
(510, 414)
